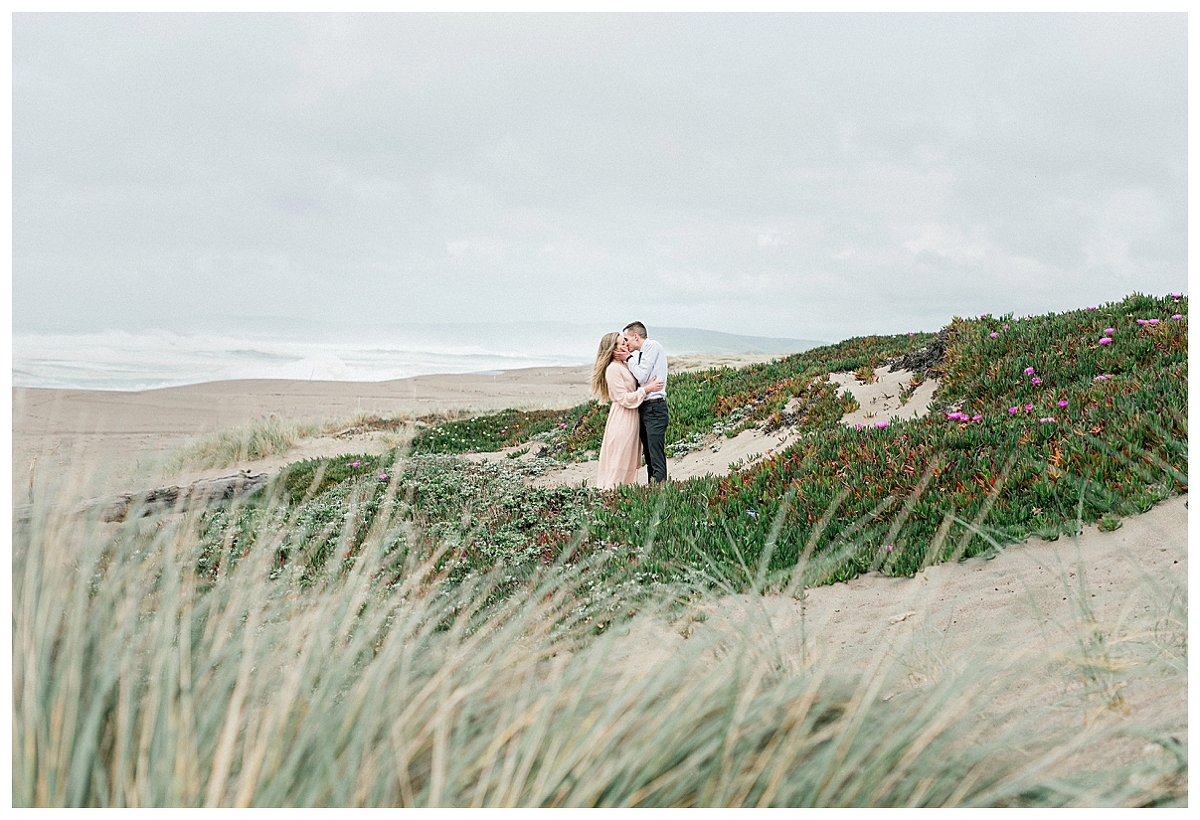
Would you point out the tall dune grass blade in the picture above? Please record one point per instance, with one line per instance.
(149, 671)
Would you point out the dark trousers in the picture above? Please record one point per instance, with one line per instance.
(653, 427)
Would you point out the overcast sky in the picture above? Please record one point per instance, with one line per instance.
(810, 176)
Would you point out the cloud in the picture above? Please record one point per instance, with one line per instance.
(759, 175)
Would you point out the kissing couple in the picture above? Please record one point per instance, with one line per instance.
(631, 374)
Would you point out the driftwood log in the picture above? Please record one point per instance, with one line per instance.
(166, 499)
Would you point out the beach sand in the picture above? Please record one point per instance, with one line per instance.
(1006, 605)
(116, 439)
(61, 433)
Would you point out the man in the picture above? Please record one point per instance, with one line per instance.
(647, 360)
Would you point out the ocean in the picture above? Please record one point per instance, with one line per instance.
(118, 360)
(124, 360)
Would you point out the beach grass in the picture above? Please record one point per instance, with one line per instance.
(154, 667)
(275, 435)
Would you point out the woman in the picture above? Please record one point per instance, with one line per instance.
(621, 449)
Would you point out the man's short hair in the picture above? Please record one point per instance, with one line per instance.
(636, 327)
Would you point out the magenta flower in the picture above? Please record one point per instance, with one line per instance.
(1035, 380)
(1029, 371)
(1092, 307)
(888, 547)
(383, 476)
(1046, 420)
(881, 424)
(1177, 316)
(983, 316)
(353, 463)
(1103, 378)
(1028, 407)
(993, 334)
(1142, 321)
(1152, 322)
(1176, 295)
(1006, 327)
(1013, 409)
(1062, 403)
(1106, 340)
(976, 417)
(1108, 331)
(858, 427)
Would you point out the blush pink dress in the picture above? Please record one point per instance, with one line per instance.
(621, 449)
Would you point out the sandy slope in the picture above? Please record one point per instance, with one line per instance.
(1033, 606)
(69, 430)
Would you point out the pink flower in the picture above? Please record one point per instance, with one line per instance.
(1046, 420)
(1176, 295)
(1035, 380)
(881, 424)
(1006, 327)
(976, 417)
(888, 547)
(1106, 340)
(993, 334)
(1177, 316)
(1142, 321)
(1029, 371)
(983, 316)
(383, 476)
(1103, 378)
(1028, 407)
(1092, 307)
(353, 463)
(1108, 331)
(1062, 403)
(1013, 409)
(1152, 322)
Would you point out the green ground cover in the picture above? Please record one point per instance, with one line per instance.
(1050, 425)
(733, 398)
(432, 633)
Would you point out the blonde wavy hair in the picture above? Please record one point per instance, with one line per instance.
(604, 357)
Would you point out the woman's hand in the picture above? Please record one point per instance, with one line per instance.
(653, 385)
(620, 355)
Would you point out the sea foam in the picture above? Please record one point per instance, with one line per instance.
(119, 360)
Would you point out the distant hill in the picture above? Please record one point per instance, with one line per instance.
(581, 339)
(679, 340)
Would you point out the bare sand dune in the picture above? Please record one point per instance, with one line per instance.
(58, 432)
(886, 397)
(1097, 626)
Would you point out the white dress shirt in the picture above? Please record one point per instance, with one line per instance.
(647, 363)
